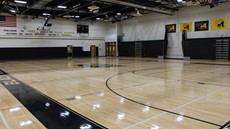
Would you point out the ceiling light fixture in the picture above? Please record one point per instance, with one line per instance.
(118, 14)
(179, 1)
(45, 14)
(94, 8)
(61, 7)
(20, 1)
(137, 14)
(95, 11)
(13, 11)
(68, 16)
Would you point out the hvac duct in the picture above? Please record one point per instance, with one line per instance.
(138, 6)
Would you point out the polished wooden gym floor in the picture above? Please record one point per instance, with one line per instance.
(135, 93)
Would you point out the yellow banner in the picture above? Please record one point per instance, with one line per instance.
(220, 24)
(186, 27)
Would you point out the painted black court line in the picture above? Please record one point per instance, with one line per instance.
(157, 108)
(226, 126)
(44, 69)
(204, 72)
(134, 72)
(121, 88)
(97, 65)
(49, 112)
(146, 60)
(202, 83)
(210, 64)
(181, 62)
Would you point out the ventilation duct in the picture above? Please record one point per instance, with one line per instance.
(138, 6)
(41, 4)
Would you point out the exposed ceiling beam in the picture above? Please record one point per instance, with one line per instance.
(164, 6)
(65, 2)
(37, 5)
(47, 8)
(78, 7)
(95, 16)
(156, 3)
(138, 6)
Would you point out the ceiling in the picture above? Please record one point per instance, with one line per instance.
(104, 10)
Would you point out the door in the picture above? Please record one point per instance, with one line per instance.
(110, 49)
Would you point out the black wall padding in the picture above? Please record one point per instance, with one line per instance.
(152, 48)
(86, 54)
(126, 49)
(165, 42)
(184, 41)
(37, 53)
(97, 51)
(149, 48)
(200, 49)
(77, 51)
(203, 48)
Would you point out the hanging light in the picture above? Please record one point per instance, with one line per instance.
(94, 8)
(61, 7)
(20, 1)
(137, 14)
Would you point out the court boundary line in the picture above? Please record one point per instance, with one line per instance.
(55, 101)
(157, 108)
(4, 121)
(175, 108)
(226, 125)
(180, 79)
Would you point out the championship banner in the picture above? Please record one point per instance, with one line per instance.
(171, 28)
(201, 26)
(186, 27)
(220, 24)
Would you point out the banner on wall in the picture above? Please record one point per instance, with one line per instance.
(171, 28)
(202, 26)
(186, 27)
(220, 24)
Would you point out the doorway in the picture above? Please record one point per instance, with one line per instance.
(110, 49)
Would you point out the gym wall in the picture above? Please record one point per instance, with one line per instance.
(97, 32)
(152, 27)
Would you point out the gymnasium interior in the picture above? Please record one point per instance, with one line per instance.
(114, 64)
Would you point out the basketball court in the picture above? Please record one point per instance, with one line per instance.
(114, 64)
(117, 92)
